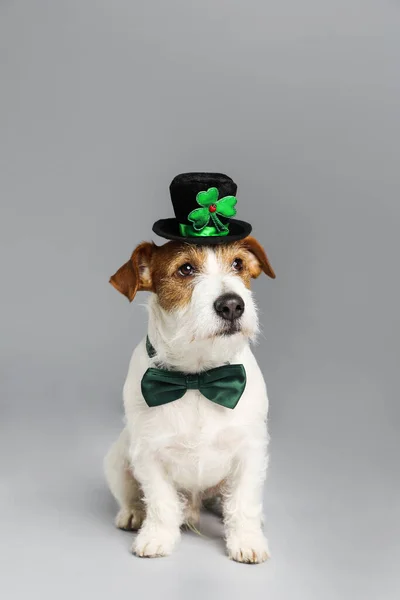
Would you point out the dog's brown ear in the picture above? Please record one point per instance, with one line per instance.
(135, 275)
(259, 260)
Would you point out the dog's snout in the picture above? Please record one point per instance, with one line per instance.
(229, 306)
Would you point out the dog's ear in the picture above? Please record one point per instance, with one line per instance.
(135, 275)
(259, 260)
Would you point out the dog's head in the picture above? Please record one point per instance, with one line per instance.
(203, 291)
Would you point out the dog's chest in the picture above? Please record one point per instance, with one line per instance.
(199, 443)
(196, 440)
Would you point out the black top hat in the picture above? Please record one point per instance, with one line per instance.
(203, 205)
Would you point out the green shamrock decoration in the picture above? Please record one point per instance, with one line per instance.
(210, 208)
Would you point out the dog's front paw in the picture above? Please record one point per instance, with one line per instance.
(153, 542)
(248, 547)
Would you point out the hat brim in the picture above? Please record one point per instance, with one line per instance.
(169, 229)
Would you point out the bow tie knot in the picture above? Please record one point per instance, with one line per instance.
(192, 381)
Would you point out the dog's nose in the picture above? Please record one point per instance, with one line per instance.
(229, 306)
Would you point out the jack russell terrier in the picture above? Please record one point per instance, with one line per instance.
(195, 399)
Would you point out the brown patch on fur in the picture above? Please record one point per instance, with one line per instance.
(253, 256)
(227, 253)
(174, 290)
(155, 268)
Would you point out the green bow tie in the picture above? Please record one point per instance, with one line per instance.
(223, 385)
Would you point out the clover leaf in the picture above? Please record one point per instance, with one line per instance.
(210, 208)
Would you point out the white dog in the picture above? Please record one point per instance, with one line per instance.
(171, 458)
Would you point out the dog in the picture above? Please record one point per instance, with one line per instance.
(172, 459)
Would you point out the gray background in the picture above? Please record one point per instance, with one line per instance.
(102, 103)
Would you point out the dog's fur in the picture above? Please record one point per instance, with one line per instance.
(169, 459)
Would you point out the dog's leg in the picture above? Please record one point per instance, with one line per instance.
(242, 507)
(123, 485)
(160, 531)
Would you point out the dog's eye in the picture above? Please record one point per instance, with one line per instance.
(186, 270)
(237, 264)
